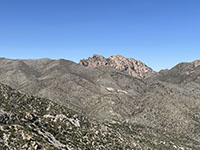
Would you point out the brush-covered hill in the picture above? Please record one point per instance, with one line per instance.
(167, 102)
(102, 92)
(28, 122)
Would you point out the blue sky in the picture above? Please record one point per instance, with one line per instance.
(161, 33)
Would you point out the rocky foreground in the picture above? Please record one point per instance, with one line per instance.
(28, 122)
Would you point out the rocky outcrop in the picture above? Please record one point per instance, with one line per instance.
(132, 66)
(196, 63)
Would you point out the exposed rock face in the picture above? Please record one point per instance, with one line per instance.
(133, 67)
(196, 63)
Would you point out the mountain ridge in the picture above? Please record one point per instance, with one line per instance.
(132, 66)
(167, 101)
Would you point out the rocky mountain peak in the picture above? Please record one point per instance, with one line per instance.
(196, 63)
(94, 61)
(132, 66)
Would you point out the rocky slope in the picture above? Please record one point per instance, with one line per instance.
(28, 122)
(94, 91)
(167, 102)
(133, 67)
(182, 73)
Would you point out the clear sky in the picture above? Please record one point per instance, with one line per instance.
(161, 33)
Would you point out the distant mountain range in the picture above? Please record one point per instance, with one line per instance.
(137, 107)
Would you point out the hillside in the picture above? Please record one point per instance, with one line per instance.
(94, 91)
(165, 103)
(28, 122)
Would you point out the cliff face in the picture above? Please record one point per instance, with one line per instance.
(131, 66)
